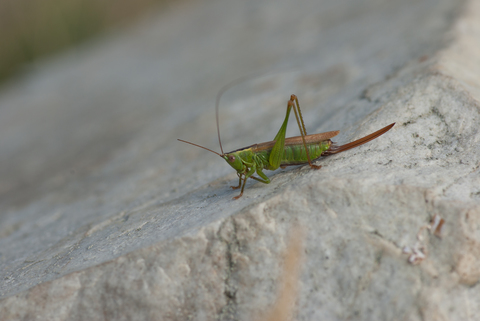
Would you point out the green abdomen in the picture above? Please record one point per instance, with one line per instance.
(296, 154)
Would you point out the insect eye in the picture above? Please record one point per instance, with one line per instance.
(231, 159)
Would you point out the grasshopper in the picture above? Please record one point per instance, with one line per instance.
(282, 152)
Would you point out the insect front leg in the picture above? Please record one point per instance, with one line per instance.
(239, 182)
(247, 175)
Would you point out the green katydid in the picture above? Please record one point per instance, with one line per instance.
(282, 152)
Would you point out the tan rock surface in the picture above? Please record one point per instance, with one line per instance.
(105, 216)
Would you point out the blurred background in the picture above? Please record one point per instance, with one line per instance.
(100, 90)
(32, 29)
(95, 93)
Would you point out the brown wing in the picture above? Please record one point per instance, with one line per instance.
(315, 138)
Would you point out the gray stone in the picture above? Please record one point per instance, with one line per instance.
(105, 216)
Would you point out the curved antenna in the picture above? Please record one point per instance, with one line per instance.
(222, 91)
(200, 147)
(217, 103)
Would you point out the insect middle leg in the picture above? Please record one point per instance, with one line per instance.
(264, 179)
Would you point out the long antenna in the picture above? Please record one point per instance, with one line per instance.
(222, 91)
(217, 103)
(200, 147)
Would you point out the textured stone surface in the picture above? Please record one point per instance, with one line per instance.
(104, 215)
